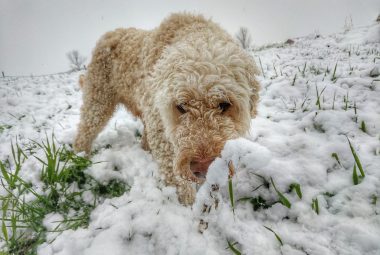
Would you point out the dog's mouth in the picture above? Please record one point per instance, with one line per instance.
(199, 167)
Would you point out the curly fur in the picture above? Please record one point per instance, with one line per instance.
(188, 61)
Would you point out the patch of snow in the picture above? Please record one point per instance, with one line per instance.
(292, 140)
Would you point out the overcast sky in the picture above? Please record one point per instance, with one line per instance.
(36, 34)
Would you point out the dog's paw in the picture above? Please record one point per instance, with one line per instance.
(81, 146)
(186, 193)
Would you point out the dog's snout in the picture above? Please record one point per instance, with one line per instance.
(199, 166)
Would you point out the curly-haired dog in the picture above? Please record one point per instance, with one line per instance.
(190, 83)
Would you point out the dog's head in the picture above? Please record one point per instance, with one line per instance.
(208, 94)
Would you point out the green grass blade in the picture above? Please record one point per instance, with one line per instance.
(13, 152)
(283, 199)
(43, 162)
(333, 76)
(21, 151)
(355, 176)
(231, 169)
(275, 234)
(13, 226)
(4, 208)
(363, 127)
(231, 193)
(334, 155)
(357, 160)
(297, 187)
(5, 231)
(233, 249)
(374, 200)
(5, 173)
(315, 205)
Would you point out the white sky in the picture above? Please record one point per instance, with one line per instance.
(36, 34)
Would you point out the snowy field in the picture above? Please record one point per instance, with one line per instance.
(294, 176)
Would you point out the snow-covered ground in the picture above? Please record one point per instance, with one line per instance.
(291, 141)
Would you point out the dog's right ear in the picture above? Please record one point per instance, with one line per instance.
(245, 70)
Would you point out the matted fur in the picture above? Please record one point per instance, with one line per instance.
(188, 61)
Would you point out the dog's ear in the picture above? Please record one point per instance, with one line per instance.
(245, 71)
(254, 87)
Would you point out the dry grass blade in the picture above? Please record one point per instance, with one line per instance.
(294, 79)
(262, 70)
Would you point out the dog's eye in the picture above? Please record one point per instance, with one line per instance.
(181, 109)
(224, 106)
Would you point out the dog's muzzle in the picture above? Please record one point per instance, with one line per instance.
(199, 167)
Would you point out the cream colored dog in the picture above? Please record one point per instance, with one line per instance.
(190, 83)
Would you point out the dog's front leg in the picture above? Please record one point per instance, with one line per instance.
(186, 192)
(185, 188)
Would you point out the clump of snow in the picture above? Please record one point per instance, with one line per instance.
(52, 222)
(238, 152)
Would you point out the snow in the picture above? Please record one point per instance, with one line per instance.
(291, 141)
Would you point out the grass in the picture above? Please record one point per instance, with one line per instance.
(282, 199)
(262, 70)
(373, 199)
(333, 78)
(294, 79)
(61, 170)
(297, 188)
(345, 100)
(3, 128)
(319, 94)
(276, 235)
(315, 205)
(333, 105)
(257, 202)
(303, 70)
(363, 126)
(327, 71)
(328, 194)
(233, 248)
(355, 177)
(356, 157)
(230, 188)
(275, 70)
(18, 158)
(335, 155)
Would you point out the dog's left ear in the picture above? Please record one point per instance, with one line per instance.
(254, 86)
